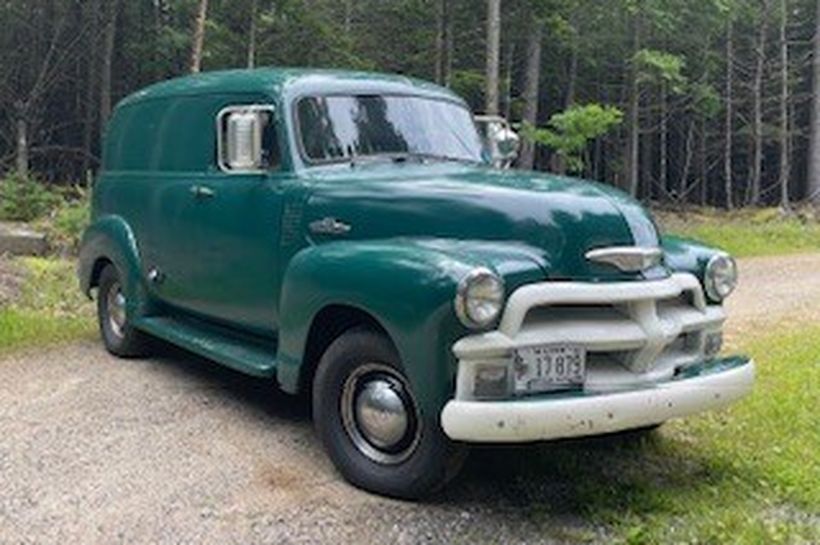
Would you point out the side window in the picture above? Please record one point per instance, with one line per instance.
(247, 139)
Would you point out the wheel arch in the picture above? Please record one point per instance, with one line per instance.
(97, 268)
(330, 323)
(110, 240)
(403, 289)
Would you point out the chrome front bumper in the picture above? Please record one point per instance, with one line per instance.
(576, 414)
(647, 360)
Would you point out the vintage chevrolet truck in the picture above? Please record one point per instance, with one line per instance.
(346, 235)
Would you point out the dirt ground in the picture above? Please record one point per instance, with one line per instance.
(177, 450)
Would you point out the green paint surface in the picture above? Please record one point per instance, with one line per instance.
(246, 259)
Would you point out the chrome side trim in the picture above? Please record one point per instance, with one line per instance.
(329, 226)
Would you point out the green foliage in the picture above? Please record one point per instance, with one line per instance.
(569, 132)
(589, 52)
(24, 199)
(48, 308)
(65, 226)
(469, 84)
(706, 101)
(660, 66)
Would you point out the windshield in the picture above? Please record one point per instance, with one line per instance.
(341, 128)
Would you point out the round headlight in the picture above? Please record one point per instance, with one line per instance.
(480, 298)
(720, 279)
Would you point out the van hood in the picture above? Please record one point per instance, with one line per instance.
(551, 220)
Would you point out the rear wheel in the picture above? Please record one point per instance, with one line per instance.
(367, 417)
(119, 337)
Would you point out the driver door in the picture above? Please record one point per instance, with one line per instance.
(220, 258)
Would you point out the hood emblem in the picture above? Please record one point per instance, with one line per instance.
(627, 258)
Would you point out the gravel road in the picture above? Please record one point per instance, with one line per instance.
(177, 450)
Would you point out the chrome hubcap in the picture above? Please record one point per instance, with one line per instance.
(115, 305)
(379, 414)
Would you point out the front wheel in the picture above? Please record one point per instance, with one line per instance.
(366, 415)
(119, 337)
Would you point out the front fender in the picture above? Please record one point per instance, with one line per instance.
(685, 255)
(407, 286)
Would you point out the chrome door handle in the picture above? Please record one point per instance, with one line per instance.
(329, 226)
(202, 192)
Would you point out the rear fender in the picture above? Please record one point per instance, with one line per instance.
(110, 239)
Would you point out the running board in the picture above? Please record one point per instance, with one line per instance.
(239, 351)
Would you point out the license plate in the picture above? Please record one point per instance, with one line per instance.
(548, 367)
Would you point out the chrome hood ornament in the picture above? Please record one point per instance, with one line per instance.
(627, 258)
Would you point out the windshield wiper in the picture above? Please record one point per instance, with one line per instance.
(437, 157)
(357, 160)
(404, 157)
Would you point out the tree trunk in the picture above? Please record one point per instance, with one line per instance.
(443, 42)
(814, 150)
(199, 36)
(252, 34)
(531, 92)
(508, 79)
(727, 152)
(348, 22)
(21, 140)
(107, 62)
(703, 164)
(633, 145)
(493, 54)
(683, 181)
(757, 106)
(92, 76)
(785, 166)
(572, 77)
(664, 140)
(450, 49)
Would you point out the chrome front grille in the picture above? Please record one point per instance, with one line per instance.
(633, 332)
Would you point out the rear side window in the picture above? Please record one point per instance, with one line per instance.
(175, 134)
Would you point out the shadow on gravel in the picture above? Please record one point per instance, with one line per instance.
(583, 482)
(259, 394)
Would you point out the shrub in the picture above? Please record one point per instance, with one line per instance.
(65, 226)
(25, 199)
(569, 132)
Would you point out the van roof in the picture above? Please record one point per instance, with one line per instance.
(297, 81)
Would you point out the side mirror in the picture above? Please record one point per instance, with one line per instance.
(240, 138)
(501, 140)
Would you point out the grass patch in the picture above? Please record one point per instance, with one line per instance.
(746, 475)
(749, 232)
(754, 469)
(47, 307)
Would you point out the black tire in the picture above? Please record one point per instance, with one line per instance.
(120, 340)
(428, 459)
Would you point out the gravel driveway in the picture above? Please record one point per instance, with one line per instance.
(177, 450)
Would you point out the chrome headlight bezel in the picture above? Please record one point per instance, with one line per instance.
(720, 277)
(479, 298)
